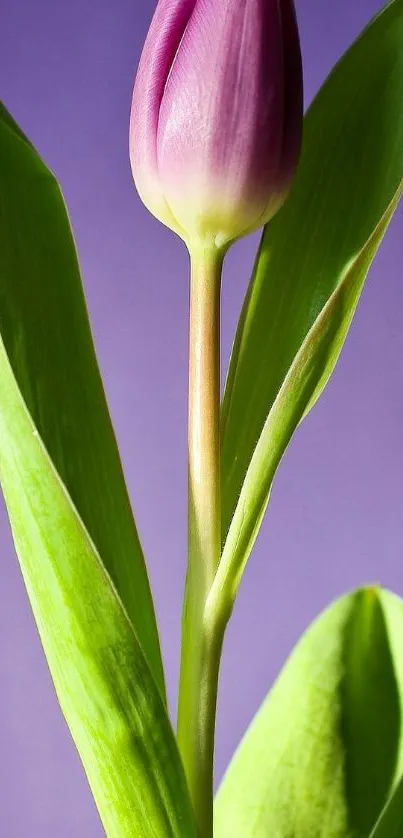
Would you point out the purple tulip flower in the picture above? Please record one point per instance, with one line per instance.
(216, 118)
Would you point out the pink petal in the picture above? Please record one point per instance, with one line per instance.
(221, 116)
(164, 36)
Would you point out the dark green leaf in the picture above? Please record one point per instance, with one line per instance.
(304, 382)
(350, 174)
(47, 338)
(390, 824)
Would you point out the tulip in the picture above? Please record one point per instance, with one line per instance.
(216, 116)
(215, 136)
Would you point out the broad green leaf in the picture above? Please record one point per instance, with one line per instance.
(108, 695)
(349, 175)
(390, 824)
(47, 338)
(324, 751)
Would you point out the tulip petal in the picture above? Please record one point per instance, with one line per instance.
(164, 36)
(220, 115)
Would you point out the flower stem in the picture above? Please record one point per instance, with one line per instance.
(201, 639)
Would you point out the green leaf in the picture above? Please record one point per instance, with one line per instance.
(105, 688)
(324, 750)
(309, 273)
(47, 338)
(57, 453)
(390, 824)
(305, 380)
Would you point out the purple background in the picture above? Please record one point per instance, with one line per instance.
(335, 520)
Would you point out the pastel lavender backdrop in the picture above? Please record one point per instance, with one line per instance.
(335, 520)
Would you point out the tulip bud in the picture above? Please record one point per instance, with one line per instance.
(216, 117)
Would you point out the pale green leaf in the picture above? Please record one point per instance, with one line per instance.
(324, 751)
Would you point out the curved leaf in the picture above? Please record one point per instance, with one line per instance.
(105, 688)
(304, 382)
(348, 179)
(323, 752)
(46, 334)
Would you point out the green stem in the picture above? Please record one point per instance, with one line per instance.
(201, 639)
